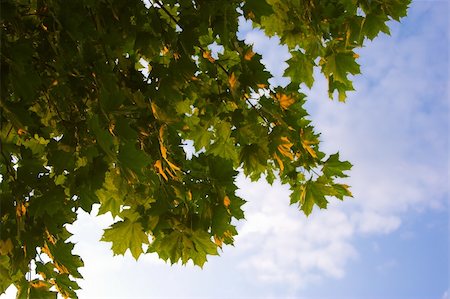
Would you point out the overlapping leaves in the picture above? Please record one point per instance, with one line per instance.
(149, 112)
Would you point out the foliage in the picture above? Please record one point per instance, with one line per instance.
(150, 110)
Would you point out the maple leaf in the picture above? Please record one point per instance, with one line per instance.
(284, 100)
(333, 167)
(124, 235)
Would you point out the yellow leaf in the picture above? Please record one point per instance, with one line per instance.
(303, 194)
(165, 50)
(232, 80)
(38, 284)
(306, 145)
(228, 234)
(6, 247)
(170, 173)
(249, 54)
(61, 268)
(45, 250)
(284, 100)
(50, 237)
(161, 133)
(159, 168)
(207, 55)
(143, 133)
(173, 166)
(155, 110)
(347, 188)
(163, 150)
(20, 209)
(226, 201)
(309, 149)
(260, 85)
(285, 148)
(218, 241)
(111, 128)
(280, 163)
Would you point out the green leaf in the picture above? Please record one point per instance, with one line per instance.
(224, 149)
(255, 9)
(124, 130)
(333, 167)
(254, 160)
(61, 253)
(132, 158)
(66, 286)
(81, 122)
(168, 246)
(201, 137)
(341, 190)
(112, 195)
(300, 69)
(309, 194)
(203, 247)
(374, 23)
(104, 139)
(340, 65)
(126, 235)
(40, 289)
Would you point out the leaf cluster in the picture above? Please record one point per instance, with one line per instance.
(149, 110)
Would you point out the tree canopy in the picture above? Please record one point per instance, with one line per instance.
(149, 109)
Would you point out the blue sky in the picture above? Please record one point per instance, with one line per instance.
(390, 241)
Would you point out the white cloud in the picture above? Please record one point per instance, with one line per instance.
(280, 245)
(369, 222)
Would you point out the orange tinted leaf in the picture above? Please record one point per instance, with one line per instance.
(309, 149)
(226, 201)
(111, 128)
(155, 110)
(260, 85)
(249, 54)
(306, 144)
(173, 166)
(20, 209)
(218, 241)
(170, 173)
(159, 168)
(285, 148)
(280, 163)
(39, 284)
(165, 50)
(232, 80)
(284, 100)
(50, 237)
(207, 55)
(163, 150)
